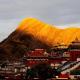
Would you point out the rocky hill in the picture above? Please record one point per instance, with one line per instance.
(32, 34)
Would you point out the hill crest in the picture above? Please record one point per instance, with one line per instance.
(49, 33)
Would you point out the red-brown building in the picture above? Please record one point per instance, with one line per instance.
(74, 50)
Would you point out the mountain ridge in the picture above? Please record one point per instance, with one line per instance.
(41, 29)
(32, 34)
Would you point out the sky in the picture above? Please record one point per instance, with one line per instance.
(61, 13)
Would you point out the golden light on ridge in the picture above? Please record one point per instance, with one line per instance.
(48, 33)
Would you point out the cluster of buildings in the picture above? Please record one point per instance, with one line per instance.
(57, 55)
(65, 59)
(10, 71)
(68, 57)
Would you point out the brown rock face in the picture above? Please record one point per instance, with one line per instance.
(14, 47)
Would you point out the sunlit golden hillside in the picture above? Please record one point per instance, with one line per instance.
(49, 33)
